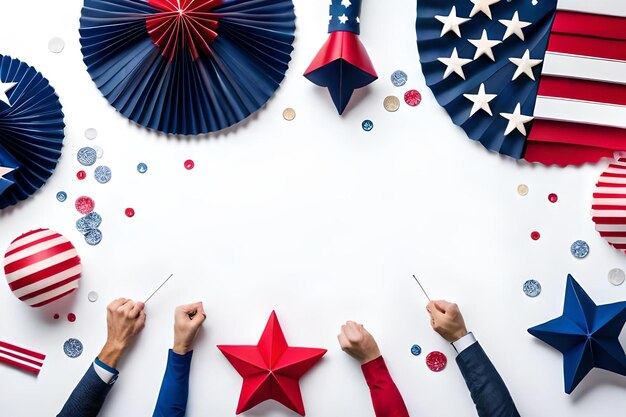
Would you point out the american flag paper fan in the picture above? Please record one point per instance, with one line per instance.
(608, 209)
(187, 66)
(535, 79)
(31, 131)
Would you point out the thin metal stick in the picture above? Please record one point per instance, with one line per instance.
(423, 290)
(155, 291)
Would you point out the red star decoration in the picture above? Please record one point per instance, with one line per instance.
(271, 369)
(183, 24)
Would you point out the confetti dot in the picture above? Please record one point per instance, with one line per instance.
(413, 98)
(553, 198)
(93, 237)
(87, 156)
(416, 350)
(522, 190)
(92, 296)
(81, 175)
(142, 168)
(617, 276)
(532, 288)
(91, 133)
(89, 222)
(61, 196)
(130, 212)
(71, 317)
(391, 103)
(84, 204)
(102, 174)
(367, 125)
(73, 348)
(56, 316)
(99, 152)
(399, 78)
(579, 249)
(189, 164)
(535, 235)
(436, 361)
(56, 45)
(289, 114)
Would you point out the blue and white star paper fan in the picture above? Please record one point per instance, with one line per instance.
(187, 66)
(31, 130)
(540, 80)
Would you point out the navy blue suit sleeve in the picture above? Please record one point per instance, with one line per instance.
(172, 400)
(87, 398)
(489, 393)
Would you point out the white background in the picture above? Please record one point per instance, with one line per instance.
(316, 219)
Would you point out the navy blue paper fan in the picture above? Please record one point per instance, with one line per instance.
(497, 76)
(220, 72)
(31, 131)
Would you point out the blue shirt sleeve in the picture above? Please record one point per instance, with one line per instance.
(172, 401)
(88, 397)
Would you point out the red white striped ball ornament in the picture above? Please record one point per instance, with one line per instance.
(42, 266)
(608, 209)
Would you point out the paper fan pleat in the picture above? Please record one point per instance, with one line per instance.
(180, 87)
(31, 131)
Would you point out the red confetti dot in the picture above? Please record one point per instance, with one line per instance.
(56, 316)
(412, 98)
(130, 212)
(85, 204)
(189, 164)
(436, 361)
(553, 198)
(81, 175)
(535, 235)
(71, 317)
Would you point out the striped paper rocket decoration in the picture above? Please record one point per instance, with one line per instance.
(608, 209)
(42, 266)
(21, 358)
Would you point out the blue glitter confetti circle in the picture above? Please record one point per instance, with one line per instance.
(580, 249)
(142, 168)
(367, 125)
(73, 348)
(103, 174)
(399, 78)
(416, 350)
(88, 223)
(93, 237)
(532, 288)
(87, 156)
(61, 196)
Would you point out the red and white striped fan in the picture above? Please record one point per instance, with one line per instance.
(42, 266)
(20, 358)
(608, 209)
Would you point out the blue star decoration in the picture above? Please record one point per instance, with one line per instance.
(586, 334)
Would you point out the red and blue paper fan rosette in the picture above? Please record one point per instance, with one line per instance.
(31, 130)
(187, 66)
(541, 81)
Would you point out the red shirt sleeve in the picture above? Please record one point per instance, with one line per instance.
(386, 397)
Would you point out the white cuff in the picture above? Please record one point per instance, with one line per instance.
(106, 375)
(464, 342)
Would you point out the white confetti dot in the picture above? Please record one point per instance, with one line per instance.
(56, 45)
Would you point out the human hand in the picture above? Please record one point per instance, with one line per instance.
(125, 319)
(187, 322)
(358, 342)
(447, 320)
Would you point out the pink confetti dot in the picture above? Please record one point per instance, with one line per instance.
(130, 212)
(71, 317)
(84, 205)
(553, 198)
(535, 235)
(189, 164)
(81, 175)
(412, 98)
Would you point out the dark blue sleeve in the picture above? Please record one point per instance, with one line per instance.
(172, 400)
(87, 398)
(487, 388)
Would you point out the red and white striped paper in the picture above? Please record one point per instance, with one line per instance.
(580, 113)
(42, 266)
(21, 358)
(608, 209)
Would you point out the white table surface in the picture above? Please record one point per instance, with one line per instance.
(316, 219)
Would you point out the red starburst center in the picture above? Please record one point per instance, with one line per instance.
(183, 24)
